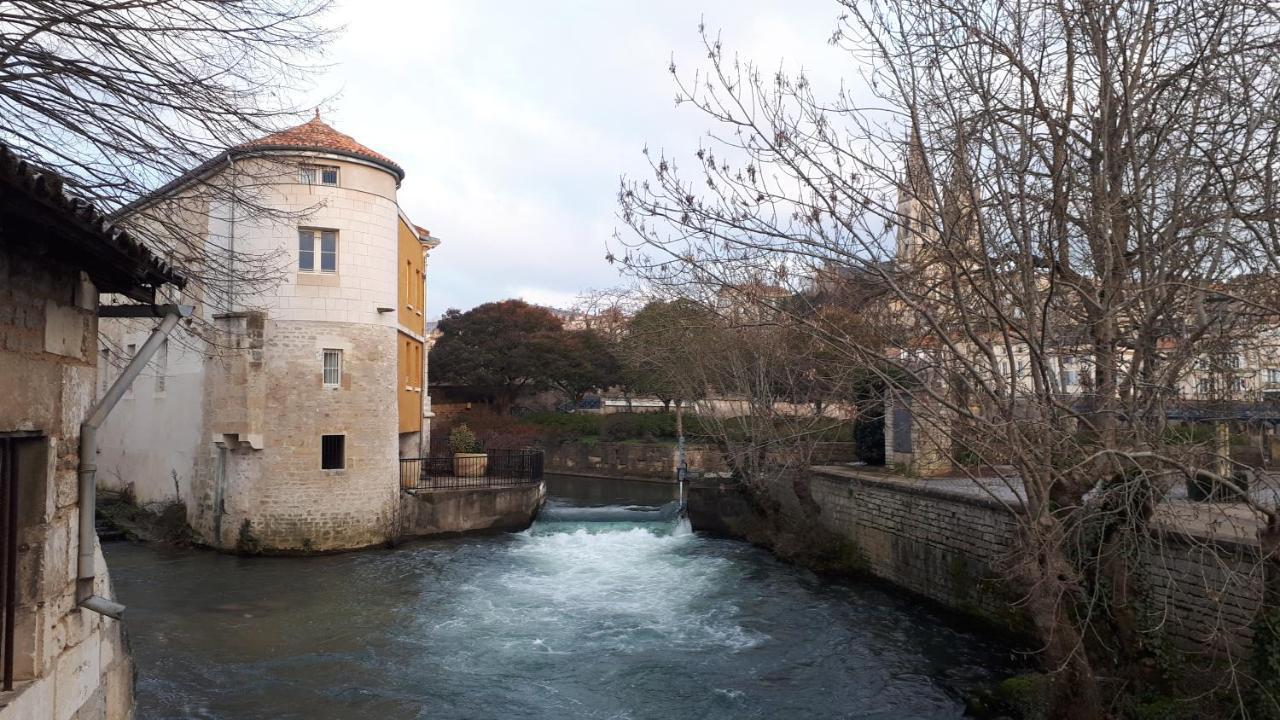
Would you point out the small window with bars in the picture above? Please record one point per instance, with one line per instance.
(333, 452)
(322, 174)
(333, 368)
(313, 243)
(162, 367)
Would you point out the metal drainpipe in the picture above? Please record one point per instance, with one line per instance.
(85, 570)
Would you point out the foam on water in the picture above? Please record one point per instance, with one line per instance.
(603, 587)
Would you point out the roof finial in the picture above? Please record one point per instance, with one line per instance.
(317, 112)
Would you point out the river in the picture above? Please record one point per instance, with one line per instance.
(608, 607)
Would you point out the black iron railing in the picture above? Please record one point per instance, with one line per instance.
(494, 468)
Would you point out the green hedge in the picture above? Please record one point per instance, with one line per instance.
(656, 427)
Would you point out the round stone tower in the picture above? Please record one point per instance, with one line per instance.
(302, 414)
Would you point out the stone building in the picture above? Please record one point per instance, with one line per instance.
(62, 656)
(279, 416)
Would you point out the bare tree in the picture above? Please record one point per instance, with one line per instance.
(119, 98)
(1066, 205)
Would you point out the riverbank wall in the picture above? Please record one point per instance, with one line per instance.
(946, 542)
(657, 461)
(426, 513)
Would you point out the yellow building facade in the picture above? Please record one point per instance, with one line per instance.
(414, 244)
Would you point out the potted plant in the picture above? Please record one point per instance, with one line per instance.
(469, 459)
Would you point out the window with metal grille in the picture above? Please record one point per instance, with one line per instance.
(333, 454)
(327, 240)
(333, 368)
(323, 174)
(130, 351)
(162, 366)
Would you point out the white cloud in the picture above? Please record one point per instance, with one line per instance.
(514, 123)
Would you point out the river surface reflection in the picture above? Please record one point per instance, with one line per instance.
(606, 608)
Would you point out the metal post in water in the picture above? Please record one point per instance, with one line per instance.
(681, 465)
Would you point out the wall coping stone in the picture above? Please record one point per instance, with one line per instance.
(950, 489)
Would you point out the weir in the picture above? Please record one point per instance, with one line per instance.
(607, 606)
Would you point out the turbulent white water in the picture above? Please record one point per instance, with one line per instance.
(600, 610)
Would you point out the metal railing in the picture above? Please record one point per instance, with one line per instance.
(495, 468)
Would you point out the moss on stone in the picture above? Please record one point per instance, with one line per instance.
(1027, 695)
(159, 522)
(246, 542)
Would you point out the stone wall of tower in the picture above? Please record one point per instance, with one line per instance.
(267, 491)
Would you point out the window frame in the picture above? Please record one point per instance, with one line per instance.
(325, 353)
(314, 174)
(130, 351)
(316, 237)
(325, 452)
(161, 361)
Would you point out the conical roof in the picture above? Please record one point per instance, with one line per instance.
(315, 134)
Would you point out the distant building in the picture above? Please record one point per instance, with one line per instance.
(280, 416)
(68, 660)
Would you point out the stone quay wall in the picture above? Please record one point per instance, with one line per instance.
(948, 543)
(947, 547)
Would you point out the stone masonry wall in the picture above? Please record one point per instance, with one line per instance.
(947, 548)
(69, 663)
(948, 545)
(275, 482)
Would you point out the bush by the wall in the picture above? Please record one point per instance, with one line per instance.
(561, 427)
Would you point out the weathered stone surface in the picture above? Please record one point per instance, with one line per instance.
(441, 512)
(66, 660)
(950, 546)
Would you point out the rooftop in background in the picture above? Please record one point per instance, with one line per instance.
(35, 212)
(315, 134)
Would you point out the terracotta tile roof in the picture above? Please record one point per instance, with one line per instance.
(76, 231)
(315, 134)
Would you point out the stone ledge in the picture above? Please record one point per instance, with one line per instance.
(942, 488)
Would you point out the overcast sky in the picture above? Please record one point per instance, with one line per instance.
(514, 120)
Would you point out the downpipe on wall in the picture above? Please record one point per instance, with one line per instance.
(86, 572)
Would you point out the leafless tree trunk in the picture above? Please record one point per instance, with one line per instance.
(119, 98)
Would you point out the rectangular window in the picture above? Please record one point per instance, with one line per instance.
(332, 368)
(162, 366)
(333, 454)
(129, 351)
(1273, 376)
(408, 284)
(307, 250)
(104, 371)
(323, 174)
(329, 251)
(308, 239)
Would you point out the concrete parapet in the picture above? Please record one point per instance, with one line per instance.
(426, 513)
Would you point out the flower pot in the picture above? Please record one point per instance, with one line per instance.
(470, 464)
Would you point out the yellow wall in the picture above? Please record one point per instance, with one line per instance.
(411, 291)
(410, 312)
(409, 360)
